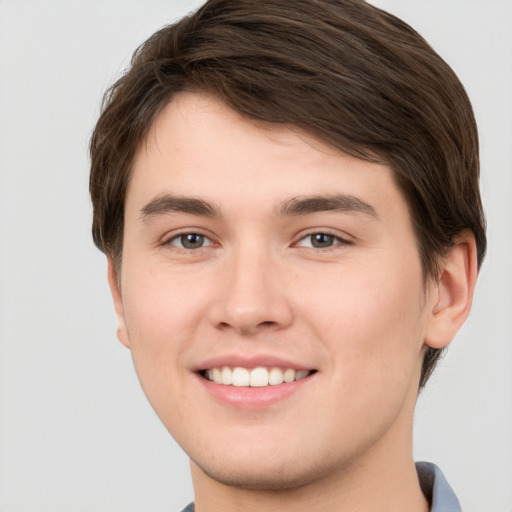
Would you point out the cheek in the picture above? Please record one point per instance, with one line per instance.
(157, 299)
(371, 324)
(162, 314)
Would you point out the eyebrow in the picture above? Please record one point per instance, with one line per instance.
(301, 205)
(168, 203)
(304, 205)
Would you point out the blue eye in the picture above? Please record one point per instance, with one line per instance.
(320, 241)
(190, 241)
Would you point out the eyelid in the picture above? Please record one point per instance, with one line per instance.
(341, 239)
(169, 237)
(206, 240)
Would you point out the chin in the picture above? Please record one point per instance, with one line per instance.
(264, 476)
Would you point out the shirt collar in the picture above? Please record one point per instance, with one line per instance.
(436, 488)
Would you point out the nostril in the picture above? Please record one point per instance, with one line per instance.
(248, 328)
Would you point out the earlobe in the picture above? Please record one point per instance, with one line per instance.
(122, 332)
(452, 295)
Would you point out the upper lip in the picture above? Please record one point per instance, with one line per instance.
(253, 361)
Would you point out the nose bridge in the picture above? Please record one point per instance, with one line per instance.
(251, 297)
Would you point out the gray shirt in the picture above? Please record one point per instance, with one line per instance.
(434, 486)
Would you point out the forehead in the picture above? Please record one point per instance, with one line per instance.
(199, 147)
(195, 125)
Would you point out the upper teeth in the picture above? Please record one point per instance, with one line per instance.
(255, 377)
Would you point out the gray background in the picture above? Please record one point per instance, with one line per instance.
(76, 433)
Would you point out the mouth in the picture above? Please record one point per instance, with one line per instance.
(253, 377)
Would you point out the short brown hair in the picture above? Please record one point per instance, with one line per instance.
(343, 70)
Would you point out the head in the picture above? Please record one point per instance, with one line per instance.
(344, 71)
(344, 74)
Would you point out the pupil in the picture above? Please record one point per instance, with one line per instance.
(322, 240)
(192, 241)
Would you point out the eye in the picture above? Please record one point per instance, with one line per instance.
(320, 241)
(190, 241)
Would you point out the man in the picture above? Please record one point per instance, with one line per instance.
(287, 194)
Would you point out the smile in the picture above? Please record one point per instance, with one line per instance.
(254, 377)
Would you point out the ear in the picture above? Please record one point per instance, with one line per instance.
(122, 332)
(452, 295)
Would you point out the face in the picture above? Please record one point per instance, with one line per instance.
(272, 297)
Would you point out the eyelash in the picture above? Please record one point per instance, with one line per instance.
(188, 234)
(336, 240)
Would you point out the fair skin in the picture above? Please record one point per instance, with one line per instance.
(249, 245)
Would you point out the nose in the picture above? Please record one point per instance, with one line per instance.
(252, 294)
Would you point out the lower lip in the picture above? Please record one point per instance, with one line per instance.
(253, 397)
